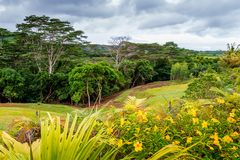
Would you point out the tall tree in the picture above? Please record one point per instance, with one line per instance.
(47, 38)
(117, 44)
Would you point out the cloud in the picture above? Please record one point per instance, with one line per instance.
(163, 20)
(215, 21)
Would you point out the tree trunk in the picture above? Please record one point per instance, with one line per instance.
(99, 93)
(50, 67)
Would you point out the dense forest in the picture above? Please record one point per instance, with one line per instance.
(47, 60)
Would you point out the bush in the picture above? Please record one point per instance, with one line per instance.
(11, 84)
(208, 131)
(201, 87)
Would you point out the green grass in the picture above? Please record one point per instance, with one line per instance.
(11, 112)
(155, 96)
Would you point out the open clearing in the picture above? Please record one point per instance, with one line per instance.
(156, 94)
(17, 111)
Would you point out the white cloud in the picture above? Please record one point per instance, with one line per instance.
(2, 8)
(205, 24)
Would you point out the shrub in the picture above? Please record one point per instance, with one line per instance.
(74, 141)
(201, 87)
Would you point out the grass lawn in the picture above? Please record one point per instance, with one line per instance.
(155, 96)
(10, 112)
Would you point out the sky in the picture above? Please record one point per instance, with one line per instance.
(193, 24)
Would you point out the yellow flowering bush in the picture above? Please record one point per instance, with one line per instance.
(214, 128)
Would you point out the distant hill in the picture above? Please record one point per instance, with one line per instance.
(147, 51)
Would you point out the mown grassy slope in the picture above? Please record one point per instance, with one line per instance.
(20, 111)
(156, 94)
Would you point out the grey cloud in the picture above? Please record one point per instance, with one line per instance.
(196, 17)
(163, 20)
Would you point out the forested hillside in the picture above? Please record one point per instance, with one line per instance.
(46, 60)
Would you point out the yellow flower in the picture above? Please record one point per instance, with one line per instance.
(169, 118)
(233, 110)
(195, 120)
(215, 120)
(120, 143)
(176, 142)
(137, 130)
(204, 124)
(211, 106)
(158, 118)
(155, 128)
(128, 142)
(112, 141)
(147, 129)
(227, 139)
(234, 148)
(142, 116)
(216, 140)
(198, 132)
(129, 107)
(109, 130)
(235, 134)
(138, 146)
(211, 148)
(167, 137)
(193, 112)
(220, 100)
(232, 114)
(122, 121)
(189, 139)
(231, 120)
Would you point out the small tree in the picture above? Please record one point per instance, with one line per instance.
(179, 71)
(231, 58)
(92, 81)
(11, 84)
(143, 72)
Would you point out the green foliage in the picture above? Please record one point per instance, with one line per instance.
(92, 81)
(180, 71)
(205, 130)
(231, 58)
(73, 141)
(46, 39)
(201, 87)
(11, 84)
(162, 68)
(127, 67)
(143, 72)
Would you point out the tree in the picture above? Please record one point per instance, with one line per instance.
(143, 72)
(11, 84)
(127, 67)
(92, 81)
(162, 67)
(47, 39)
(231, 57)
(117, 44)
(179, 71)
